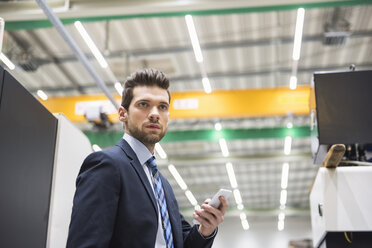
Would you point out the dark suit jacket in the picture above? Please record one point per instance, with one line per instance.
(114, 205)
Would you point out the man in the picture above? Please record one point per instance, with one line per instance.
(121, 199)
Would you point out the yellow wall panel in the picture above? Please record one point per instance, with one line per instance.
(218, 104)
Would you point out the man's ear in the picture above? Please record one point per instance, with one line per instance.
(123, 114)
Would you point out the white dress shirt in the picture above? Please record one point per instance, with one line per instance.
(143, 154)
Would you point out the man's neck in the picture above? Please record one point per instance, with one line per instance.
(150, 147)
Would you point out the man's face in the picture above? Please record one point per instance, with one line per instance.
(147, 116)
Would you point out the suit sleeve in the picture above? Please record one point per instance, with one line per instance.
(95, 203)
(192, 237)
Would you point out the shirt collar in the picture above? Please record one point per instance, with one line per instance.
(143, 154)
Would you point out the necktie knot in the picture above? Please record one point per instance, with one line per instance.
(152, 165)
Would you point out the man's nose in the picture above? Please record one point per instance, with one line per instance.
(154, 113)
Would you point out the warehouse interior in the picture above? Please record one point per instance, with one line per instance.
(242, 107)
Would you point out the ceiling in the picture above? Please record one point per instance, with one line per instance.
(244, 45)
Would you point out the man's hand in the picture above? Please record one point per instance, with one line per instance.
(210, 217)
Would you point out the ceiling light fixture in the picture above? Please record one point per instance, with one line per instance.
(231, 174)
(245, 224)
(285, 169)
(243, 218)
(218, 126)
(194, 38)
(224, 149)
(293, 82)
(7, 61)
(238, 197)
(96, 148)
(283, 197)
(280, 225)
(206, 85)
(287, 145)
(160, 151)
(42, 95)
(119, 89)
(191, 197)
(97, 54)
(298, 33)
(177, 176)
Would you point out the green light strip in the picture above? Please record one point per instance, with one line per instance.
(107, 139)
(36, 24)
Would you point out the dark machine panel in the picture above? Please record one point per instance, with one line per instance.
(27, 146)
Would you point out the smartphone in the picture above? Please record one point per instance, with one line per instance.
(215, 202)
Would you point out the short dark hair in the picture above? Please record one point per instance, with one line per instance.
(143, 77)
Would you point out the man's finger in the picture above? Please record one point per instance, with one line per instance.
(223, 204)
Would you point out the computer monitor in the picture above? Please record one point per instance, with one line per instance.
(342, 110)
(343, 107)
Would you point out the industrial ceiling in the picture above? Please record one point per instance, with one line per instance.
(245, 46)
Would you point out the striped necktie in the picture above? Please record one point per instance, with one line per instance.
(159, 195)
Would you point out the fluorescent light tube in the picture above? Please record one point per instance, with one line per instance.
(287, 145)
(298, 33)
(283, 197)
(218, 126)
(206, 85)
(191, 197)
(285, 169)
(238, 197)
(42, 95)
(7, 61)
(119, 89)
(223, 145)
(240, 206)
(293, 82)
(96, 148)
(231, 174)
(281, 216)
(194, 38)
(160, 151)
(243, 216)
(280, 225)
(97, 54)
(245, 224)
(177, 176)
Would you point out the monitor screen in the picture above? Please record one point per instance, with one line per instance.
(343, 107)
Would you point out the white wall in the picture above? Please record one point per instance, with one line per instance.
(72, 146)
(263, 232)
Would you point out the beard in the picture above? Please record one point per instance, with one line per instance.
(150, 138)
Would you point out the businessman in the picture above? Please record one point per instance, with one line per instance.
(121, 199)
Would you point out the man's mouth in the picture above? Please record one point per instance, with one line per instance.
(153, 126)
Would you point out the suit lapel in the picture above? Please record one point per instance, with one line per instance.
(139, 170)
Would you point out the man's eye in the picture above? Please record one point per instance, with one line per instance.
(163, 107)
(143, 104)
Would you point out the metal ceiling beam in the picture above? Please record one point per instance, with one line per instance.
(79, 54)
